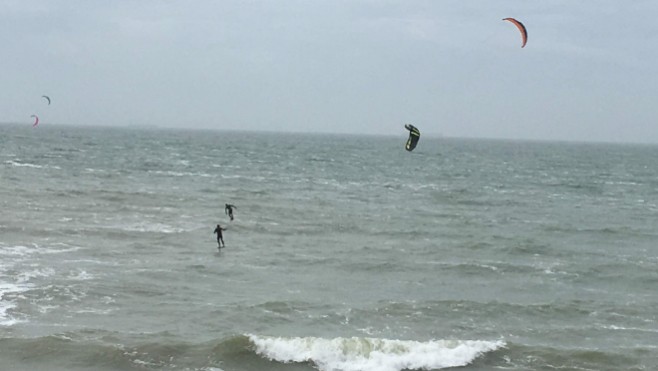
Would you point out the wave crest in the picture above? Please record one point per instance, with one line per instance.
(371, 354)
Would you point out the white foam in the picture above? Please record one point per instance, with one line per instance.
(23, 164)
(80, 275)
(8, 289)
(371, 354)
(46, 308)
(27, 164)
(621, 328)
(26, 276)
(92, 311)
(181, 173)
(17, 273)
(24, 251)
(150, 228)
(18, 250)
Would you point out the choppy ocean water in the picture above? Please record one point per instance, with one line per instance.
(346, 252)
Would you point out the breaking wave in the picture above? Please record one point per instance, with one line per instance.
(371, 354)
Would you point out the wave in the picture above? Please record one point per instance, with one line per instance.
(93, 349)
(24, 251)
(23, 164)
(27, 164)
(8, 292)
(145, 227)
(541, 357)
(372, 354)
(181, 173)
(96, 349)
(17, 278)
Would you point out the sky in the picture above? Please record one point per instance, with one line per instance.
(452, 68)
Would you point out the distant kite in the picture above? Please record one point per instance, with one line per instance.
(36, 120)
(521, 27)
(414, 136)
(47, 98)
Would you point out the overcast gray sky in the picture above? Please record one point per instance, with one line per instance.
(451, 67)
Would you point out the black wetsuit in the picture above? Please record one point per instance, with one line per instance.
(229, 210)
(220, 237)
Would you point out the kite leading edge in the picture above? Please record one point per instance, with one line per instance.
(521, 27)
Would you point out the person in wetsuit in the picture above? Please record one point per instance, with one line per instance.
(220, 237)
(228, 209)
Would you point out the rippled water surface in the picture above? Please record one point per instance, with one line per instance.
(346, 252)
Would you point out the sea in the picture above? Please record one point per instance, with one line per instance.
(347, 253)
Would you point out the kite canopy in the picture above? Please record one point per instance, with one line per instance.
(36, 120)
(521, 27)
(47, 98)
(414, 136)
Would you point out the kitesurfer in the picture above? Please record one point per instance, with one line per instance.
(228, 209)
(220, 237)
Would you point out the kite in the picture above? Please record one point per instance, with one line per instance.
(521, 27)
(414, 136)
(36, 120)
(47, 98)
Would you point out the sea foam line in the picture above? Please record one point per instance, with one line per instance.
(23, 164)
(23, 251)
(27, 164)
(372, 354)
